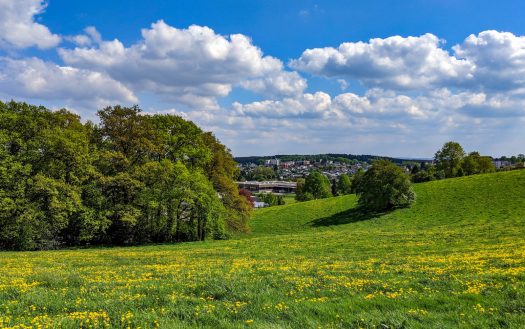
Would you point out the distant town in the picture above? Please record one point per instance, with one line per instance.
(291, 170)
(278, 174)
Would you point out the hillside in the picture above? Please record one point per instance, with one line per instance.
(455, 259)
(493, 201)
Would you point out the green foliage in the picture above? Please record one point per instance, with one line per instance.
(357, 180)
(299, 190)
(449, 158)
(220, 171)
(385, 186)
(271, 199)
(344, 185)
(474, 163)
(316, 186)
(423, 176)
(131, 179)
(452, 162)
(261, 173)
(455, 259)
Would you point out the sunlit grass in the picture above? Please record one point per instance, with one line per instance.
(455, 259)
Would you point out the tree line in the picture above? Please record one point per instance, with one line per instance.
(318, 186)
(130, 179)
(387, 185)
(336, 157)
(383, 186)
(452, 161)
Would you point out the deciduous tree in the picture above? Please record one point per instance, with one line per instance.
(449, 158)
(385, 186)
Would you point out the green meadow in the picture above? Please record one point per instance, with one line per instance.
(455, 259)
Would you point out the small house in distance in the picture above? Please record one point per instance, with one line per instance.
(269, 186)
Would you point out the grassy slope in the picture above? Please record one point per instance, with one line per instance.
(474, 200)
(455, 259)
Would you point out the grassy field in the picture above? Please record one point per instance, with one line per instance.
(455, 259)
(289, 199)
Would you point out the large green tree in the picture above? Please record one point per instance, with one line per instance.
(385, 186)
(449, 158)
(474, 163)
(316, 186)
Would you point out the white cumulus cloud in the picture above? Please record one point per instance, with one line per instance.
(187, 64)
(498, 58)
(34, 78)
(18, 28)
(490, 61)
(395, 62)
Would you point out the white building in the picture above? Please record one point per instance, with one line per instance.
(273, 162)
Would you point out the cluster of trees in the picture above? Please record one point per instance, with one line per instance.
(452, 161)
(343, 185)
(515, 159)
(317, 186)
(130, 179)
(383, 186)
(271, 199)
(259, 173)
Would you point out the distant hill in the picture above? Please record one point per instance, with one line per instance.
(328, 156)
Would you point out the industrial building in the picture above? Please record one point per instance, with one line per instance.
(269, 186)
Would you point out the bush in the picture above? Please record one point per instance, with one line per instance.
(422, 176)
(385, 186)
(299, 191)
(271, 199)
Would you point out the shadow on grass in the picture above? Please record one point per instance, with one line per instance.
(348, 216)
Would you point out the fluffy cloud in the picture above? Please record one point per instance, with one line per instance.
(89, 37)
(490, 60)
(498, 58)
(280, 83)
(473, 92)
(188, 64)
(18, 28)
(35, 79)
(394, 62)
(306, 105)
(379, 121)
(376, 104)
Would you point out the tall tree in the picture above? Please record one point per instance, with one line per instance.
(299, 190)
(357, 179)
(221, 171)
(449, 158)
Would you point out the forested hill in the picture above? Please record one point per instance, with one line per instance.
(317, 157)
(130, 179)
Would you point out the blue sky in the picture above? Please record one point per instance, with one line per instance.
(397, 78)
